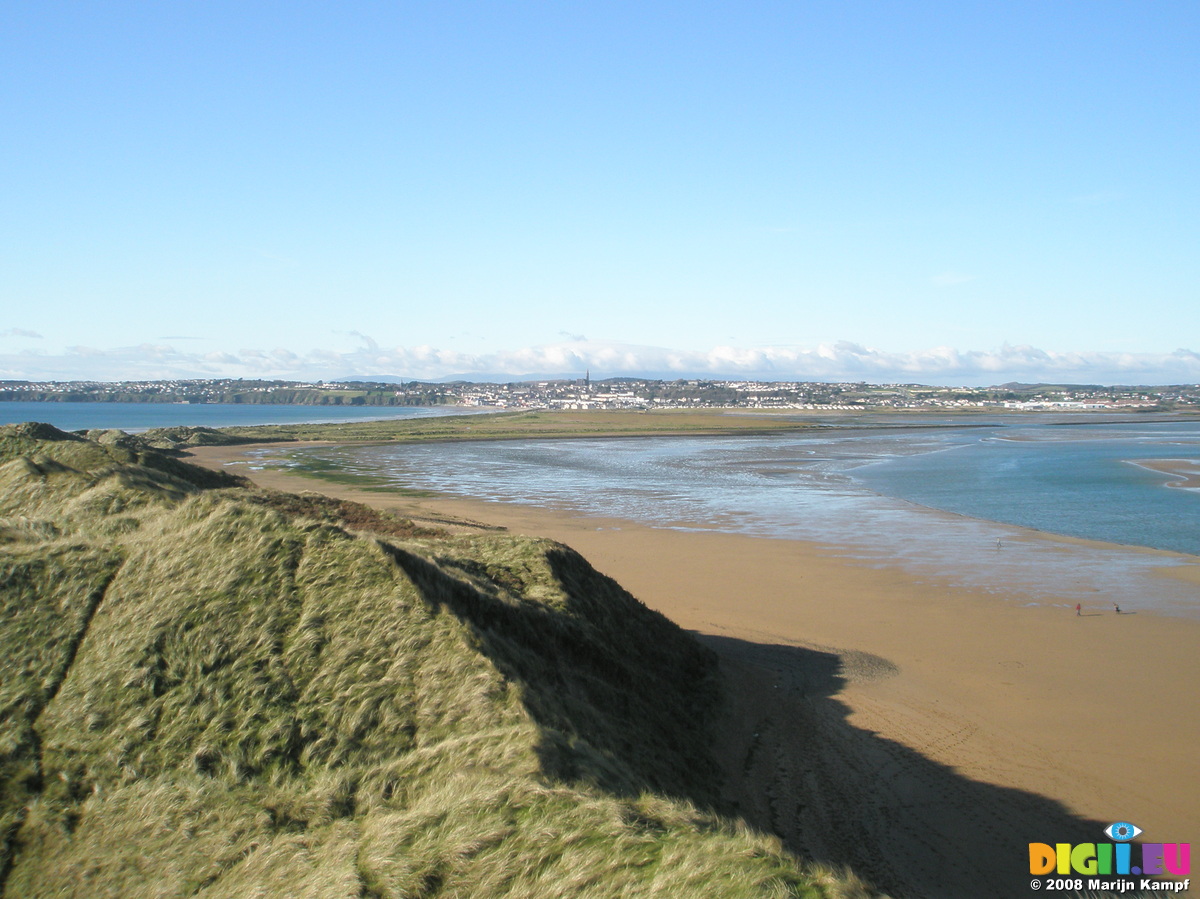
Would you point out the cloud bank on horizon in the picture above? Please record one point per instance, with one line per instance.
(840, 361)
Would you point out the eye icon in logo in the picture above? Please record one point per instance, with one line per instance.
(1122, 831)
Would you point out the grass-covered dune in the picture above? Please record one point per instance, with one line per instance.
(216, 691)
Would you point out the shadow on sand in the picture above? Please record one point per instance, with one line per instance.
(626, 700)
(839, 794)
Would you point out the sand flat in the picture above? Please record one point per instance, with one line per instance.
(1186, 470)
(868, 699)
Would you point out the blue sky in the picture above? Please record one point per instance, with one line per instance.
(949, 192)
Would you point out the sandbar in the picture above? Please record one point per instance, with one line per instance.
(1187, 470)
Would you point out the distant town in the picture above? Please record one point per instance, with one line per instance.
(615, 393)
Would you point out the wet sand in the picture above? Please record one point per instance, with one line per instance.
(1187, 470)
(921, 732)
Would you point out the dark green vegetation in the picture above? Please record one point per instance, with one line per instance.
(216, 691)
(325, 470)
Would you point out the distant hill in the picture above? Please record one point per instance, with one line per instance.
(1020, 387)
(216, 691)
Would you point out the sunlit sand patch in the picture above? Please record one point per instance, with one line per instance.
(1187, 470)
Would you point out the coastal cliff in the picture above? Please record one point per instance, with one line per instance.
(215, 690)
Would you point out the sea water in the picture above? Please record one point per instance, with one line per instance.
(1080, 481)
(933, 499)
(135, 417)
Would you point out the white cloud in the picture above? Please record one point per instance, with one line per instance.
(824, 362)
(20, 332)
(366, 339)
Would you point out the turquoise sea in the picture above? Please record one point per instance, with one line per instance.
(142, 416)
(1081, 481)
(954, 500)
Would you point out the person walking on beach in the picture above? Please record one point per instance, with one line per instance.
(1117, 607)
(1078, 610)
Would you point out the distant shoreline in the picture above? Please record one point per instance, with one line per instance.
(625, 392)
(599, 424)
(358, 423)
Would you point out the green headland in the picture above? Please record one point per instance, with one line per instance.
(212, 690)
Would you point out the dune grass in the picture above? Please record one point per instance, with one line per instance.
(217, 691)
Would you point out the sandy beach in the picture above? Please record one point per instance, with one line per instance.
(920, 732)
